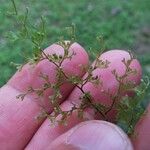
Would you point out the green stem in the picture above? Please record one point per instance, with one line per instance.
(15, 8)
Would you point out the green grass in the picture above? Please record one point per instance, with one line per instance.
(119, 21)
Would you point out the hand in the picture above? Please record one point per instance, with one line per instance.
(19, 130)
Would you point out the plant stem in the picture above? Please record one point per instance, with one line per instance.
(15, 8)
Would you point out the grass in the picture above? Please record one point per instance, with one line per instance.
(119, 21)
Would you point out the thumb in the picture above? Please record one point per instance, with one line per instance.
(93, 135)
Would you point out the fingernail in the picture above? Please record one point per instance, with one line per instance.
(97, 135)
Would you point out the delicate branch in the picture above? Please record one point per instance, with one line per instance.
(15, 8)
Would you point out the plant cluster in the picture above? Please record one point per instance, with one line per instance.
(129, 109)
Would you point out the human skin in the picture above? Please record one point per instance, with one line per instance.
(19, 129)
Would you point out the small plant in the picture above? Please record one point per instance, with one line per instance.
(126, 106)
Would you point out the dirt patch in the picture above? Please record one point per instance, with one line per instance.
(142, 44)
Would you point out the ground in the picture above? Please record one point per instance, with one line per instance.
(124, 25)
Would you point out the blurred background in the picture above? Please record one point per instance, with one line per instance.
(124, 24)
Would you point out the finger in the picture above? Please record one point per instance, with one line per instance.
(17, 123)
(141, 141)
(109, 82)
(94, 135)
(49, 132)
(30, 77)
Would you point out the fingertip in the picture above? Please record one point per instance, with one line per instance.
(75, 47)
(79, 60)
(116, 56)
(108, 79)
(93, 135)
(29, 75)
(141, 140)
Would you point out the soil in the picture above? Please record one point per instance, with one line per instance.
(142, 44)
